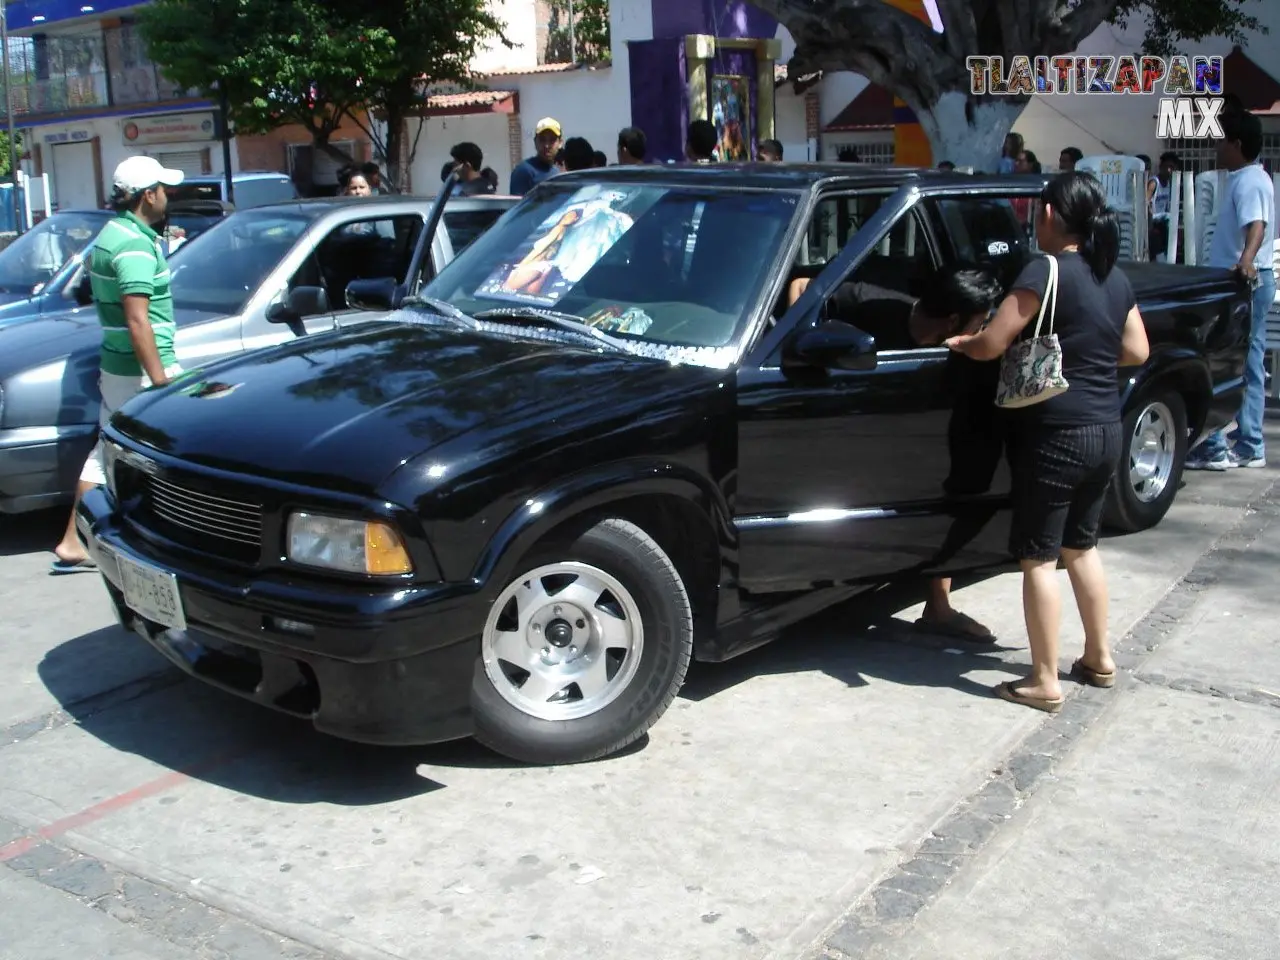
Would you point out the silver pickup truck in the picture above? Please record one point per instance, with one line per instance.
(259, 277)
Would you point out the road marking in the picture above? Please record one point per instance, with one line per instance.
(105, 808)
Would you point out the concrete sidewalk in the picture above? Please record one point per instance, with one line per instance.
(778, 791)
(1139, 823)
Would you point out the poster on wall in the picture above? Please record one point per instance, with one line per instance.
(731, 113)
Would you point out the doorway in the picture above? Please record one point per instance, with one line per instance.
(75, 176)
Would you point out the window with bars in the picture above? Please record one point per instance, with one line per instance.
(867, 151)
(1200, 155)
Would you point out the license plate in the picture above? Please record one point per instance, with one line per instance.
(152, 593)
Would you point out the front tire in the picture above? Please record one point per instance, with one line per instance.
(583, 651)
(1150, 469)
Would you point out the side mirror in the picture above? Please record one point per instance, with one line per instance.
(834, 344)
(377, 294)
(298, 304)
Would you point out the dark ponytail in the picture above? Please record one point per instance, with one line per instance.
(1079, 203)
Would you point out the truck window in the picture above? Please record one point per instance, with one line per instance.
(986, 231)
(835, 220)
(463, 226)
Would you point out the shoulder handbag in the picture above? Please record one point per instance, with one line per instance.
(1031, 369)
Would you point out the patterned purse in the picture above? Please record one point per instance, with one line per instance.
(1031, 369)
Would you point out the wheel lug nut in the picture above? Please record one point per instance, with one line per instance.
(573, 650)
(556, 611)
(537, 627)
(580, 624)
(546, 651)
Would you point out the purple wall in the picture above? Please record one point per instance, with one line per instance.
(659, 96)
(731, 19)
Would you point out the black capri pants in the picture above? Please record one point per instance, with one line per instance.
(1060, 479)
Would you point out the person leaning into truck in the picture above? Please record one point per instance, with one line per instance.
(958, 299)
(130, 280)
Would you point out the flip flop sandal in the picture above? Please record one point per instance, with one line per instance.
(61, 567)
(960, 626)
(1093, 678)
(1007, 691)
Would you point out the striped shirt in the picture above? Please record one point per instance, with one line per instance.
(128, 258)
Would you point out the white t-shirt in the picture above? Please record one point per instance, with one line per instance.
(1160, 199)
(1250, 196)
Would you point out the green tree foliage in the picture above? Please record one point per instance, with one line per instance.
(5, 172)
(319, 62)
(925, 69)
(588, 42)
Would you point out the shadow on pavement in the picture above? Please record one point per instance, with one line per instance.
(32, 532)
(156, 712)
(859, 638)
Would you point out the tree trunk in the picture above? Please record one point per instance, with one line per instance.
(395, 172)
(967, 131)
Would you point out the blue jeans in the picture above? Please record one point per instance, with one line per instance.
(1248, 432)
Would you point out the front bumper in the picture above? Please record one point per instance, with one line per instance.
(388, 666)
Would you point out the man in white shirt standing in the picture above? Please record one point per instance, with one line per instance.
(1244, 241)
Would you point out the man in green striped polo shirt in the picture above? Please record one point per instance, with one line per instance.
(130, 280)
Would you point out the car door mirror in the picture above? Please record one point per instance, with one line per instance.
(834, 344)
(376, 294)
(298, 304)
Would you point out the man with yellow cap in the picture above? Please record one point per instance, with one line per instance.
(530, 173)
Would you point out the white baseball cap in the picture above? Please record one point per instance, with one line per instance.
(142, 173)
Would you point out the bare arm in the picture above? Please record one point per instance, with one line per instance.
(137, 316)
(1253, 235)
(1016, 311)
(1134, 348)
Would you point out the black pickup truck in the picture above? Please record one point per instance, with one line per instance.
(602, 441)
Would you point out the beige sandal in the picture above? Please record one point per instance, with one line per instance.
(1092, 677)
(1007, 691)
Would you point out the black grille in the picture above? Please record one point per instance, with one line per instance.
(220, 517)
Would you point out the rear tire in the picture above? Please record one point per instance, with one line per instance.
(1150, 468)
(584, 650)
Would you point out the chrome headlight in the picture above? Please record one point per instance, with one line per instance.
(110, 457)
(352, 546)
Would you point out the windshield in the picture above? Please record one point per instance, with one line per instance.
(226, 267)
(33, 258)
(672, 265)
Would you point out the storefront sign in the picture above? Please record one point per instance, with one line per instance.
(76, 135)
(169, 128)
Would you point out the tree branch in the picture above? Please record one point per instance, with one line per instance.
(1063, 33)
(888, 47)
(960, 28)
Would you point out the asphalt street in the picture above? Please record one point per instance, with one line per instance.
(852, 790)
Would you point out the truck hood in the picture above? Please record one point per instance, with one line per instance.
(343, 411)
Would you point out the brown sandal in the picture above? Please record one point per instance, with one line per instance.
(1007, 691)
(1092, 677)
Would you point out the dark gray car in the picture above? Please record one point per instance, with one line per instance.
(251, 281)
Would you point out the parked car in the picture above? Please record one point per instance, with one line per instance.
(599, 443)
(257, 278)
(250, 188)
(40, 268)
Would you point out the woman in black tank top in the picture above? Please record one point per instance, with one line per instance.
(1064, 450)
